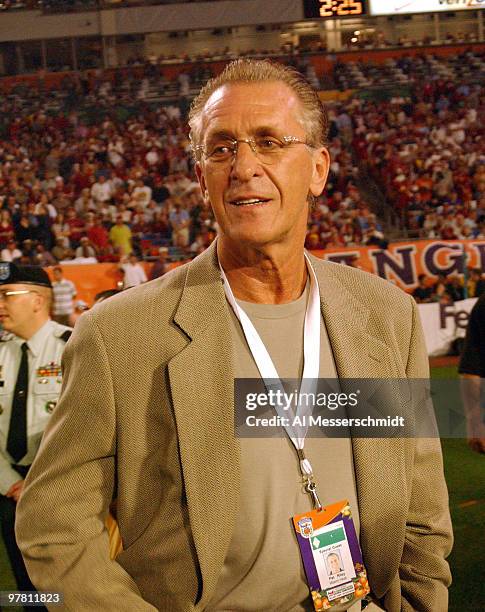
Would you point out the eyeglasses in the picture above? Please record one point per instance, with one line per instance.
(268, 149)
(4, 295)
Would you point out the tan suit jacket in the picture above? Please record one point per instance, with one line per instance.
(147, 415)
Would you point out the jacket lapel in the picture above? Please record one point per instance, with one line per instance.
(202, 387)
(360, 354)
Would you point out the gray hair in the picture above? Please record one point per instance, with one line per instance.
(314, 117)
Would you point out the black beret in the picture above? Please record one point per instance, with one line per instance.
(11, 274)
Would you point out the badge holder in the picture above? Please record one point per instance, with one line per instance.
(331, 556)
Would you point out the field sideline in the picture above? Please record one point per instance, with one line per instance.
(465, 475)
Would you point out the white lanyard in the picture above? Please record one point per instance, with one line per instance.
(311, 368)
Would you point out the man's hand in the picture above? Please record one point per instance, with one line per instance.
(15, 490)
(477, 444)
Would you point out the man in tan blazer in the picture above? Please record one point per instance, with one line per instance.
(147, 409)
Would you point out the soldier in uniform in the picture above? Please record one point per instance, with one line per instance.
(30, 382)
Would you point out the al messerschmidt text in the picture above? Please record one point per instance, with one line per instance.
(320, 421)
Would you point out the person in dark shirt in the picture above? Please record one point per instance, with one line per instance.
(160, 266)
(455, 289)
(472, 372)
(476, 284)
(422, 293)
(159, 192)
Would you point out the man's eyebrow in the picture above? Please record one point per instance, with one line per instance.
(262, 130)
(220, 134)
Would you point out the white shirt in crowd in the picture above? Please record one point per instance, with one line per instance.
(8, 255)
(64, 292)
(142, 195)
(134, 275)
(101, 192)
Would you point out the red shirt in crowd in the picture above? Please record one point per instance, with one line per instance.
(98, 235)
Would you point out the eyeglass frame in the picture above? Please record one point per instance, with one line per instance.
(9, 293)
(286, 141)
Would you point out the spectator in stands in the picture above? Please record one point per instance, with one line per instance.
(85, 202)
(98, 234)
(160, 266)
(64, 292)
(76, 227)
(85, 249)
(25, 229)
(180, 222)
(120, 236)
(141, 195)
(476, 283)
(422, 293)
(61, 230)
(454, 287)
(160, 193)
(6, 227)
(43, 257)
(101, 191)
(134, 273)
(28, 252)
(11, 252)
(60, 252)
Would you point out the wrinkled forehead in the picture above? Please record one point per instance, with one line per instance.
(246, 107)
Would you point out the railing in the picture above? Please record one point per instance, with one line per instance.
(69, 6)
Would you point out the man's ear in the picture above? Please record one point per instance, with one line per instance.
(39, 301)
(201, 178)
(321, 166)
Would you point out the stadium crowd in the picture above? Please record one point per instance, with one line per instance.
(447, 289)
(73, 187)
(99, 168)
(427, 156)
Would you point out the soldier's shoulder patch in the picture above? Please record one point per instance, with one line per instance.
(66, 335)
(62, 332)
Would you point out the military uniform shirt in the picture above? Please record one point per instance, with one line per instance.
(44, 353)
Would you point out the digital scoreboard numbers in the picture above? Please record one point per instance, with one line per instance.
(334, 9)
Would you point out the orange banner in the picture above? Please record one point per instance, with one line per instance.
(90, 279)
(400, 263)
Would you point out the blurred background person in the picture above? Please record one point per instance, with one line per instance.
(64, 292)
(134, 272)
(160, 266)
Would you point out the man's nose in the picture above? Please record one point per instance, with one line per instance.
(245, 163)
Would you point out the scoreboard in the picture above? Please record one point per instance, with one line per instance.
(334, 9)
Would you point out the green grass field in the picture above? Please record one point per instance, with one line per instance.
(465, 475)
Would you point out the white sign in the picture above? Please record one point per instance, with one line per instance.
(401, 7)
(442, 324)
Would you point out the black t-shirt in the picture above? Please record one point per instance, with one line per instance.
(422, 293)
(473, 357)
